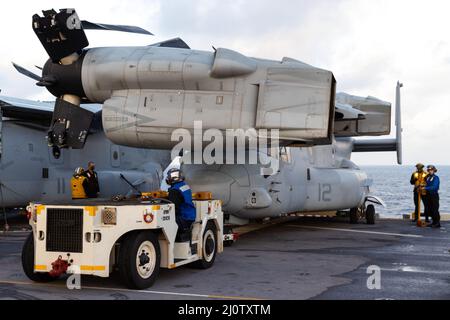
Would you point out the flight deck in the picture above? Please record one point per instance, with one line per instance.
(300, 258)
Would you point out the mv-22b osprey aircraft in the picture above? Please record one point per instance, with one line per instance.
(148, 92)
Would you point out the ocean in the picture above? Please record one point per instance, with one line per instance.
(391, 183)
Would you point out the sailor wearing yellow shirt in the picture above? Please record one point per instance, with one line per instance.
(418, 180)
(79, 183)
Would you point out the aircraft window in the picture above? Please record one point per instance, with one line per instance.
(45, 173)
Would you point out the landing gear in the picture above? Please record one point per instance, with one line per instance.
(354, 215)
(228, 236)
(368, 213)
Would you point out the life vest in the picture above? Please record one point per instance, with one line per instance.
(78, 191)
(187, 208)
(420, 179)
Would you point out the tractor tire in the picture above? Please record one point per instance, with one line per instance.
(28, 262)
(209, 248)
(139, 260)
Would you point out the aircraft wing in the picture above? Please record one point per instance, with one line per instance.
(37, 112)
(26, 110)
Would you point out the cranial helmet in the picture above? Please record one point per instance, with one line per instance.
(174, 176)
(420, 166)
(431, 167)
(79, 171)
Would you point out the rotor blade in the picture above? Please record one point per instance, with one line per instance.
(101, 26)
(26, 72)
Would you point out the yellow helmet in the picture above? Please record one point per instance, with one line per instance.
(420, 166)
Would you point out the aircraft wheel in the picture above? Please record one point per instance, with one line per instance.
(354, 217)
(226, 231)
(28, 262)
(209, 248)
(370, 214)
(139, 260)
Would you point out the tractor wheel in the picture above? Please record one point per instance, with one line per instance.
(209, 248)
(28, 262)
(139, 260)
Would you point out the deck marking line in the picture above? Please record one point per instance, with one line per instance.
(359, 231)
(413, 270)
(134, 291)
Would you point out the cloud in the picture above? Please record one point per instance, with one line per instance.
(368, 45)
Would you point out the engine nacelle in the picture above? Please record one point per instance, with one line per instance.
(148, 92)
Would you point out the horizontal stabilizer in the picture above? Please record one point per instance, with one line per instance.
(375, 145)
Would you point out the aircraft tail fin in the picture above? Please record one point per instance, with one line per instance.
(398, 123)
(380, 145)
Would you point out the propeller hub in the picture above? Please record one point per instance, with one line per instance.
(63, 79)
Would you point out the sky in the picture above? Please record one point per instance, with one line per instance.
(368, 45)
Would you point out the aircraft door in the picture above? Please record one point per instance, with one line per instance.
(294, 178)
(281, 184)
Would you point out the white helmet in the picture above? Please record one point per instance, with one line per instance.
(79, 171)
(174, 176)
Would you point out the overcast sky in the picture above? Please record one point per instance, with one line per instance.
(368, 45)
